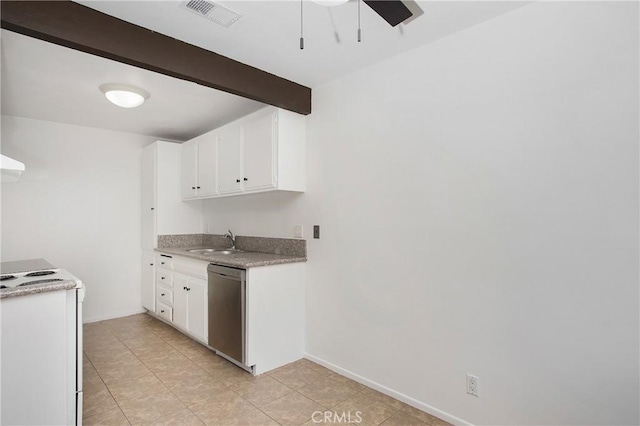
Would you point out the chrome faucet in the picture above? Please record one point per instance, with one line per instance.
(232, 237)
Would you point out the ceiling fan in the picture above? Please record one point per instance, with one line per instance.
(393, 11)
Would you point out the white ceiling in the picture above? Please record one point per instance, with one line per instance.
(267, 35)
(44, 81)
(48, 82)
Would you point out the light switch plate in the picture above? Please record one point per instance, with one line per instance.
(298, 231)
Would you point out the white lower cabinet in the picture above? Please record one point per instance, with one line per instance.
(275, 315)
(190, 305)
(165, 295)
(149, 282)
(274, 307)
(181, 294)
(165, 311)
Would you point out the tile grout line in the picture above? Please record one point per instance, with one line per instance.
(147, 328)
(197, 366)
(156, 376)
(151, 371)
(104, 383)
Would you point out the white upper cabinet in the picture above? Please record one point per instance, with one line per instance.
(264, 151)
(163, 211)
(206, 170)
(229, 161)
(197, 173)
(189, 169)
(259, 153)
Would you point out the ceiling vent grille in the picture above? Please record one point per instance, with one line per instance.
(213, 12)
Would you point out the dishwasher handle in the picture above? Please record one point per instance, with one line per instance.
(227, 272)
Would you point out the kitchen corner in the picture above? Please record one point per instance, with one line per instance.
(246, 302)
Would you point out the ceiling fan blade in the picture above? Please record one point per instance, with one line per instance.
(392, 11)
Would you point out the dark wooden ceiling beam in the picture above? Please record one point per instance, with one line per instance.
(81, 28)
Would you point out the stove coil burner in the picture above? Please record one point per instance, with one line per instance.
(39, 273)
(7, 277)
(51, 280)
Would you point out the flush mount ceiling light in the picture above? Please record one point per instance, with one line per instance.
(124, 96)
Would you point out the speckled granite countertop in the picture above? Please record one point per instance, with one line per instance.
(242, 260)
(15, 267)
(36, 288)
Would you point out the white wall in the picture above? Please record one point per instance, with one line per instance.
(262, 215)
(478, 199)
(78, 206)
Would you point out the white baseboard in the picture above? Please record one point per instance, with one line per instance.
(390, 392)
(114, 316)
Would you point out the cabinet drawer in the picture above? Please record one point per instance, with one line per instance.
(164, 277)
(165, 296)
(165, 262)
(165, 311)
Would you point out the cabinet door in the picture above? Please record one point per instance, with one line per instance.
(189, 169)
(229, 160)
(180, 295)
(148, 282)
(259, 153)
(207, 165)
(149, 198)
(197, 308)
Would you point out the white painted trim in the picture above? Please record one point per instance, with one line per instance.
(109, 317)
(390, 392)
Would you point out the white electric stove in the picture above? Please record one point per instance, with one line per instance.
(41, 346)
(38, 278)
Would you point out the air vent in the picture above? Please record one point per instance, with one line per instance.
(213, 12)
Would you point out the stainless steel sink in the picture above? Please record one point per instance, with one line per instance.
(214, 251)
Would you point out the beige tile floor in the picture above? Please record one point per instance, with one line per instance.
(140, 371)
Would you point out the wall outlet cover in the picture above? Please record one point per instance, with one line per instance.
(298, 231)
(473, 385)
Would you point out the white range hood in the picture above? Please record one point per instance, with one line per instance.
(11, 169)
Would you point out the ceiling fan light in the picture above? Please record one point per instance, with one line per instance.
(124, 96)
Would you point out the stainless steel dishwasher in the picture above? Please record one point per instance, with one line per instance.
(227, 311)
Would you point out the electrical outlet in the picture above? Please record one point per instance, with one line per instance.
(473, 385)
(316, 232)
(298, 231)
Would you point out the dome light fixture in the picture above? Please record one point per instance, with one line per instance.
(123, 95)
